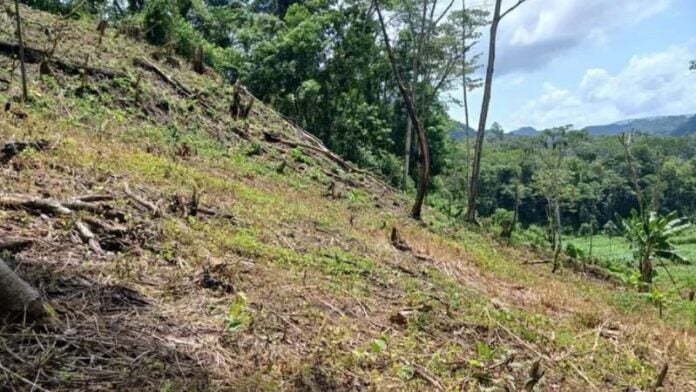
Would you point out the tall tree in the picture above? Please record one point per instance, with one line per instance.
(478, 148)
(413, 115)
(465, 95)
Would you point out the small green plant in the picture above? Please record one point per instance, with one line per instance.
(299, 156)
(238, 316)
(658, 298)
(379, 345)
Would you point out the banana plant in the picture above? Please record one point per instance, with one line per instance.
(649, 235)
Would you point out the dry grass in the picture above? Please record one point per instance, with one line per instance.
(295, 291)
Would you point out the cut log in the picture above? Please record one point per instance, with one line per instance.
(25, 202)
(17, 297)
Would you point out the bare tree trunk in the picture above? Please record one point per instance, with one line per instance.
(558, 239)
(25, 93)
(478, 148)
(17, 296)
(407, 152)
(417, 50)
(465, 92)
(410, 107)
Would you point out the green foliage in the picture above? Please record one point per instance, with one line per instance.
(650, 235)
(238, 316)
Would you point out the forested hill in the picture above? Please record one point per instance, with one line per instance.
(163, 229)
(660, 125)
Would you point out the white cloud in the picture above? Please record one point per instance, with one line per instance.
(539, 31)
(653, 84)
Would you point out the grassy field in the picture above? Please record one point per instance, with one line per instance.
(617, 255)
(617, 248)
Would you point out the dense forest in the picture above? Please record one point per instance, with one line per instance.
(275, 195)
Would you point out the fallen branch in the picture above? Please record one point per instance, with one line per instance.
(95, 198)
(34, 386)
(88, 237)
(106, 227)
(178, 86)
(35, 56)
(23, 202)
(78, 205)
(139, 201)
(427, 376)
(326, 152)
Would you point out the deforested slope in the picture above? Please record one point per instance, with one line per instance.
(196, 248)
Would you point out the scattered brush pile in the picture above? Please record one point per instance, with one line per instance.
(183, 236)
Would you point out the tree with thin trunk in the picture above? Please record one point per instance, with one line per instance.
(550, 179)
(407, 96)
(436, 52)
(25, 93)
(465, 94)
(478, 147)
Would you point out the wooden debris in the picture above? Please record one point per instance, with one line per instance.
(15, 244)
(535, 374)
(660, 380)
(88, 237)
(141, 202)
(17, 297)
(36, 56)
(178, 86)
(12, 149)
(106, 227)
(426, 375)
(398, 242)
(48, 206)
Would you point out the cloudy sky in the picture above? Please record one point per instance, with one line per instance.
(586, 62)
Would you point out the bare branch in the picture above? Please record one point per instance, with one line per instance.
(519, 2)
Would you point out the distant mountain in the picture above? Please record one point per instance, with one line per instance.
(688, 128)
(524, 131)
(661, 125)
(459, 131)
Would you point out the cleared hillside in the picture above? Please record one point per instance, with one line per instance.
(238, 254)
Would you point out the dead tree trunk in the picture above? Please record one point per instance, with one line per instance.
(478, 147)
(410, 107)
(17, 297)
(465, 93)
(25, 93)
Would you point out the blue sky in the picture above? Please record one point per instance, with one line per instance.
(586, 62)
